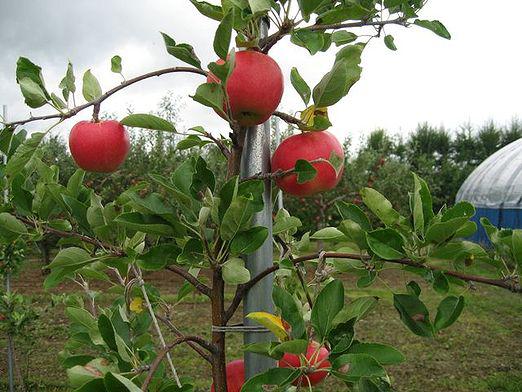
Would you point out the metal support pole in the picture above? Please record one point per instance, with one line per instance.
(277, 135)
(256, 159)
(10, 342)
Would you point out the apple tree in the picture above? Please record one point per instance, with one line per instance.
(200, 231)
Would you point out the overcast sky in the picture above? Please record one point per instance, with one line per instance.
(475, 77)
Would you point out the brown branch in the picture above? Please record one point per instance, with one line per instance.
(198, 285)
(112, 91)
(242, 289)
(279, 173)
(198, 347)
(287, 118)
(162, 355)
(335, 26)
(201, 287)
(69, 234)
(273, 39)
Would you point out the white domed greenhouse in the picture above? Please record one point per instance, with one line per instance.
(495, 189)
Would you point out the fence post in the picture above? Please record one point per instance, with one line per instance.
(256, 159)
(10, 342)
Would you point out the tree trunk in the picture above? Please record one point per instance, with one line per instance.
(219, 376)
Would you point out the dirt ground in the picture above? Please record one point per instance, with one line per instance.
(481, 352)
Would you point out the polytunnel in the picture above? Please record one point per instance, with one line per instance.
(495, 189)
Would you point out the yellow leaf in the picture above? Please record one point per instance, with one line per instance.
(136, 305)
(272, 322)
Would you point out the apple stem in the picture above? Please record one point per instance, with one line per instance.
(96, 112)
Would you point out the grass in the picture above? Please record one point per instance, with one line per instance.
(481, 352)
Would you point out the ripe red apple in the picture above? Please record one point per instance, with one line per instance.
(308, 146)
(316, 357)
(235, 376)
(254, 88)
(99, 146)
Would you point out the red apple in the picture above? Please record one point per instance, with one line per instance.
(308, 146)
(316, 358)
(254, 88)
(99, 146)
(235, 376)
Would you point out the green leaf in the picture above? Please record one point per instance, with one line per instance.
(300, 85)
(354, 213)
(57, 102)
(91, 87)
(308, 7)
(237, 217)
(386, 243)
(338, 82)
(259, 6)
(158, 257)
(452, 220)
(313, 41)
(24, 153)
(380, 206)
(516, 246)
(10, 227)
(71, 257)
(117, 383)
(32, 92)
(248, 241)
(183, 52)
(149, 224)
(344, 12)
(327, 233)
(413, 288)
(384, 354)
(116, 64)
(82, 317)
(328, 304)
(275, 376)
(342, 37)
(224, 35)
(389, 42)
(211, 95)
(440, 282)
(341, 337)
(289, 311)
(358, 308)
(67, 84)
(107, 332)
(351, 367)
(209, 10)
(296, 346)
(414, 314)
(148, 121)
(285, 223)
(448, 311)
(234, 271)
(305, 171)
(27, 69)
(435, 26)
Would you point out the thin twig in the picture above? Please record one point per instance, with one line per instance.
(162, 355)
(106, 95)
(198, 285)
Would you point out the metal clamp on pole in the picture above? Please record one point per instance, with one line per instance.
(256, 159)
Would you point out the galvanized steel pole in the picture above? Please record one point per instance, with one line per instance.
(10, 343)
(256, 159)
(277, 137)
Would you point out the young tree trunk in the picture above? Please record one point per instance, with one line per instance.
(219, 375)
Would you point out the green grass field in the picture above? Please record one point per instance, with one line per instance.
(481, 352)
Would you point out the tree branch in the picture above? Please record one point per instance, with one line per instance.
(69, 234)
(335, 26)
(106, 95)
(198, 285)
(271, 40)
(242, 289)
(162, 355)
(197, 347)
(280, 173)
(287, 118)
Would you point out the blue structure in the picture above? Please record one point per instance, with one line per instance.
(495, 189)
